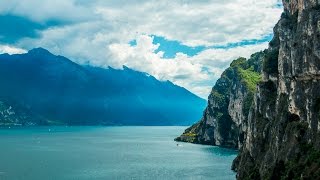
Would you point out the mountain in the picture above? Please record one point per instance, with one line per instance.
(14, 114)
(224, 119)
(63, 92)
(278, 137)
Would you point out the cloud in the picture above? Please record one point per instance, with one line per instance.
(197, 73)
(98, 32)
(13, 28)
(198, 23)
(44, 10)
(25, 19)
(11, 50)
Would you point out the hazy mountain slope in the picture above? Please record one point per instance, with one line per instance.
(65, 92)
(12, 113)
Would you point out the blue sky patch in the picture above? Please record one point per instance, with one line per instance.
(171, 47)
(264, 39)
(279, 4)
(133, 42)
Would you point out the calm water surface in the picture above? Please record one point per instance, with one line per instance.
(80, 153)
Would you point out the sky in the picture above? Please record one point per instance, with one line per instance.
(189, 42)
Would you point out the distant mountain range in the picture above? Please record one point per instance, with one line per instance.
(39, 88)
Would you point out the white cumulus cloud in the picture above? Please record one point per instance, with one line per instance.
(197, 73)
(98, 33)
(11, 50)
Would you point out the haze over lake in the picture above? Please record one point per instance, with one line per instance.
(108, 153)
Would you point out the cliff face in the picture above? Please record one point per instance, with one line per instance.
(277, 127)
(282, 137)
(225, 118)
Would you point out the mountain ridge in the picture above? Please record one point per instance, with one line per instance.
(63, 91)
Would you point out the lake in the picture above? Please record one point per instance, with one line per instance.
(81, 153)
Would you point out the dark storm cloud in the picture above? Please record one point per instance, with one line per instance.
(13, 28)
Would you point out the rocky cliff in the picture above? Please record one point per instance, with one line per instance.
(282, 137)
(225, 117)
(279, 137)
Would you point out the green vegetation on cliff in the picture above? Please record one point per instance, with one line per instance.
(250, 77)
(218, 127)
(247, 73)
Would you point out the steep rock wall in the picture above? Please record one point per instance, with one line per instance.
(278, 134)
(225, 117)
(282, 137)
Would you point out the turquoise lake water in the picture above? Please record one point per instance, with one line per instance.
(81, 153)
